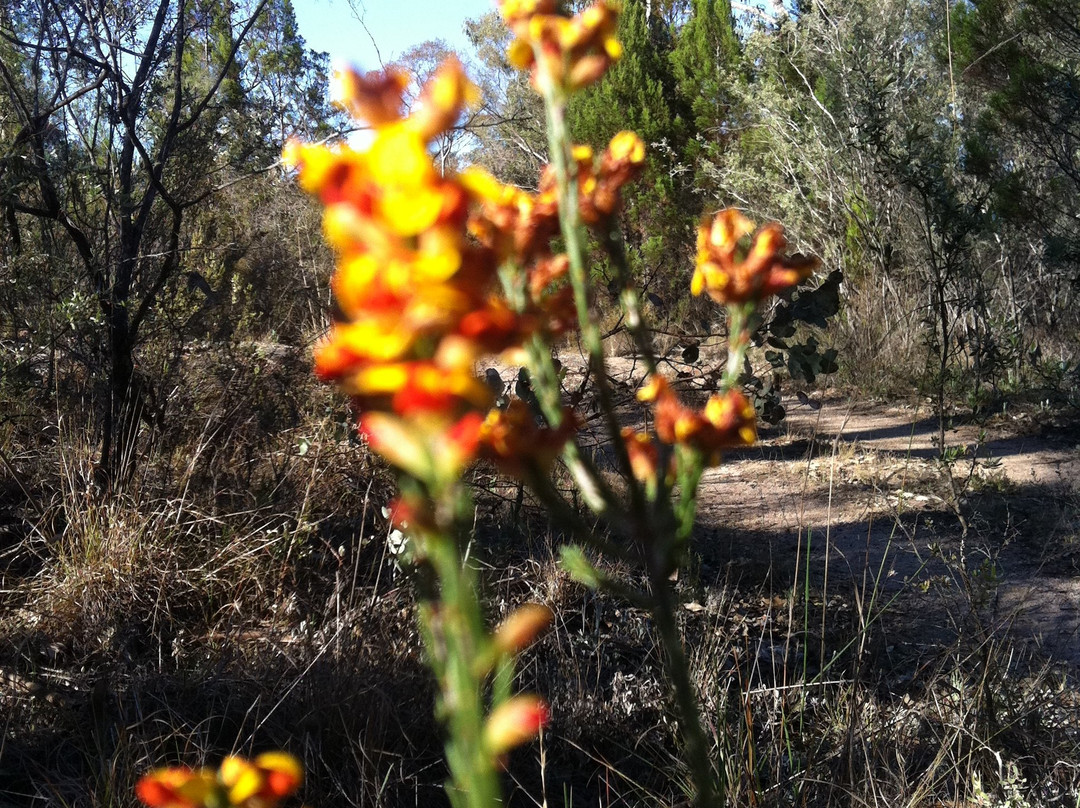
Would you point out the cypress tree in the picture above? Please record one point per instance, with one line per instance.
(704, 63)
(638, 92)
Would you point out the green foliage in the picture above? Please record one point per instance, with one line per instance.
(638, 93)
(705, 65)
(802, 361)
(284, 86)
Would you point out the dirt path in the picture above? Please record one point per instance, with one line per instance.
(852, 495)
(860, 484)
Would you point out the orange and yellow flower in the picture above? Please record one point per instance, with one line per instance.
(762, 271)
(513, 222)
(515, 722)
(727, 421)
(418, 251)
(512, 439)
(563, 53)
(417, 295)
(375, 98)
(643, 454)
(260, 783)
(599, 186)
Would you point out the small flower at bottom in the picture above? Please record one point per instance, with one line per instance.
(515, 722)
(261, 783)
(178, 787)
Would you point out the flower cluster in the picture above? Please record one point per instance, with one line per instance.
(512, 439)
(761, 271)
(260, 783)
(418, 297)
(599, 186)
(561, 52)
(416, 282)
(728, 420)
(518, 226)
(737, 272)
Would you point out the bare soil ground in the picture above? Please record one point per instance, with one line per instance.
(849, 496)
(856, 493)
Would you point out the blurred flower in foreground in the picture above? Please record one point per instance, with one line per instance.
(261, 783)
(418, 255)
(522, 627)
(418, 296)
(515, 722)
(763, 270)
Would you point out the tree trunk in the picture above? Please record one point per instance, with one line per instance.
(123, 407)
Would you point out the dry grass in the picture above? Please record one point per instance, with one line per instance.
(240, 596)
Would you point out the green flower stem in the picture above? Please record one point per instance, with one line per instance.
(666, 553)
(629, 298)
(455, 635)
(696, 744)
(739, 317)
(596, 493)
(561, 148)
(690, 465)
(575, 562)
(502, 683)
(659, 546)
(547, 386)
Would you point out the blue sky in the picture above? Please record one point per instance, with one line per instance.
(331, 26)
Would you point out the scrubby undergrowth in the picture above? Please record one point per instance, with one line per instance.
(242, 595)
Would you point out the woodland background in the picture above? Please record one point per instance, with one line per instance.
(192, 549)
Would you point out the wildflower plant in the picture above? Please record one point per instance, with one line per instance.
(260, 783)
(437, 271)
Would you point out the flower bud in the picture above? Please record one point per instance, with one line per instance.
(265, 781)
(643, 454)
(178, 787)
(521, 629)
(515, 722)
(283, 772)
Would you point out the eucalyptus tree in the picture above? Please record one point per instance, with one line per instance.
(509, 132)
(126, 120)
